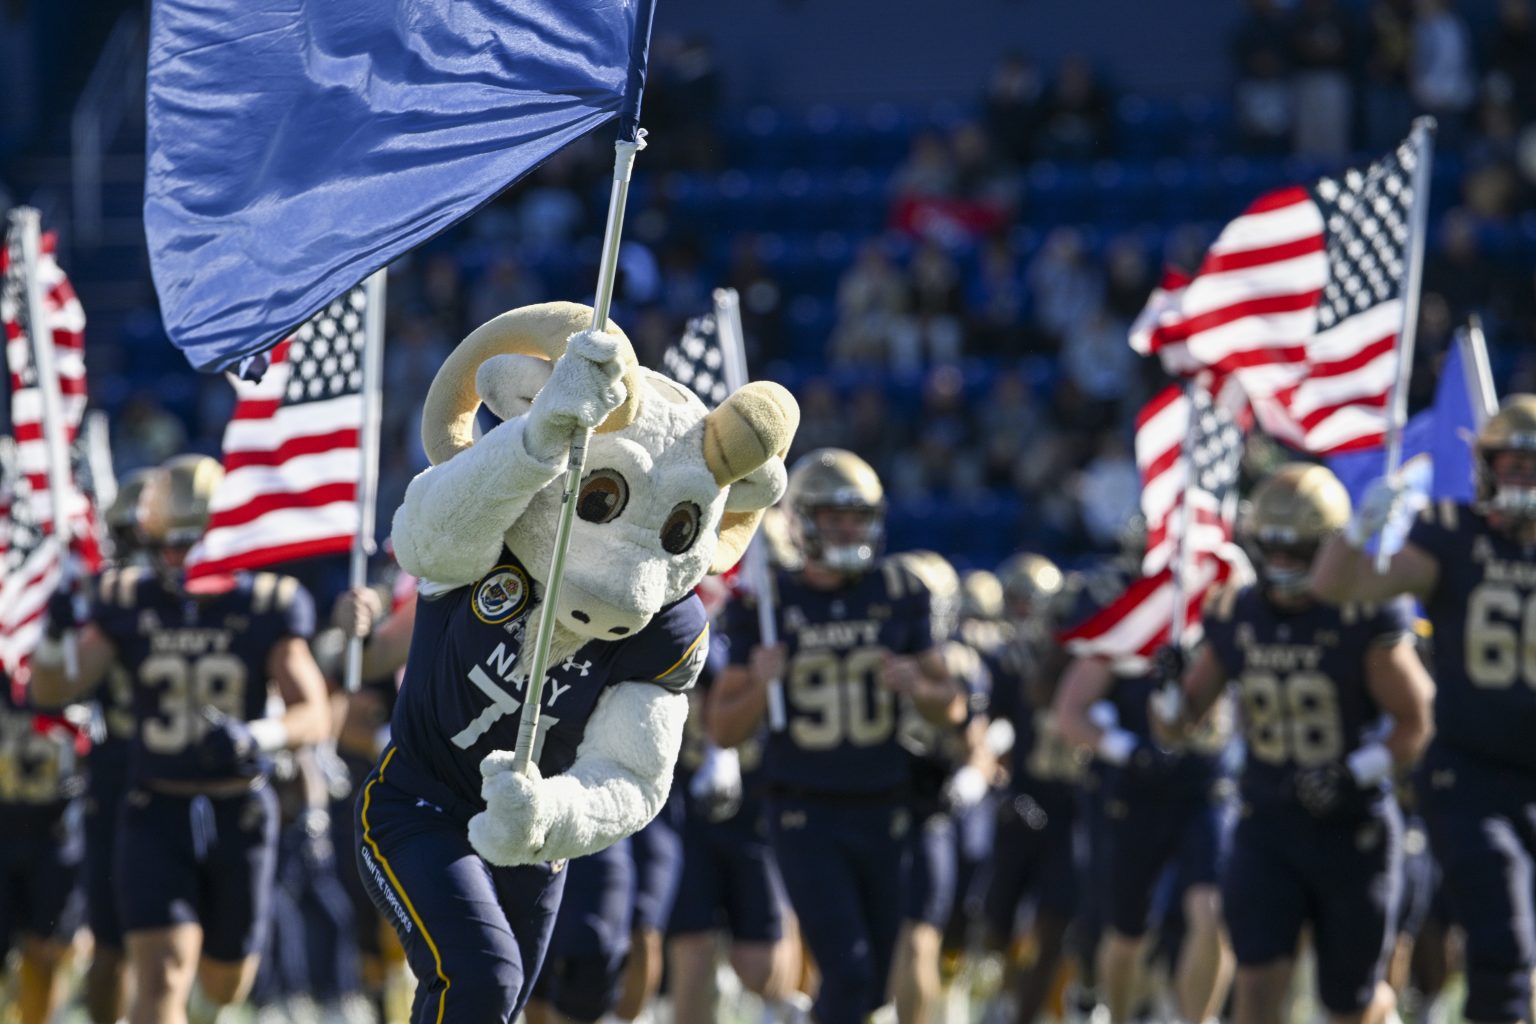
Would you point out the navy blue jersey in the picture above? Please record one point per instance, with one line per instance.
(461, 697)
(1484, 614)
(842, 725)
(185, 653)
(1041, 764)
(1300, 678)
(39, 769)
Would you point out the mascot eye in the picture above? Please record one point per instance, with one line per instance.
(681, 528)
(603, 496)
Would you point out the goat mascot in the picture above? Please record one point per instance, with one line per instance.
(461, 853)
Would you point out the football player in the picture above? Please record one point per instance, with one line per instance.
(106, 991)
(1033, 860)
(1474, 568)
(858, 644)
(1157, 814)
(196, 846)
(1319, 841)
(583, 975)
(41, 848)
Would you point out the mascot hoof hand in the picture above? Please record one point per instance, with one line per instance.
(583, 389)
(509, 831)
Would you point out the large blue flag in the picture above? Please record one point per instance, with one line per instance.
(1444, 432)
(296, 146)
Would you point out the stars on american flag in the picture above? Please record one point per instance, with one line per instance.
(697, 361)
(326, 354)
(1366, 218)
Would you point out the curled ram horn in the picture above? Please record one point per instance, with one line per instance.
(448, 418)
(745, 441)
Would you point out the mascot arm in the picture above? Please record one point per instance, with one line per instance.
(451, 526)
(617, 784)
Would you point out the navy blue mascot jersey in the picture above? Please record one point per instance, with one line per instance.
(39, 768)
(462, 695)
(1041, 763)
(186, 652)
(842, 732)
(1300, 678)
(1484, 613)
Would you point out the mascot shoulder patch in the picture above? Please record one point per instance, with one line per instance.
(501, 595)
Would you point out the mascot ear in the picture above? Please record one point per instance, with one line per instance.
(507, 383)
(745, 441)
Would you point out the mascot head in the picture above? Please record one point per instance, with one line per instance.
(671, 491)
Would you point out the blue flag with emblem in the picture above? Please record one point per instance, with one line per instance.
(295, 148)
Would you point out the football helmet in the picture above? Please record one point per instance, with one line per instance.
(174, 504)
(981, 596)
(1031, 585)
(122, 516)
(1511, 429)
(835, 479)
(1291, 513)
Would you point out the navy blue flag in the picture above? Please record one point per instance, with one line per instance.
(1444, 431)
(296, 146)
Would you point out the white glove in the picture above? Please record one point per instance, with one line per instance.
(583, 388)
(717, 783)
(511, 829)
(1383, 500)
(966, 787)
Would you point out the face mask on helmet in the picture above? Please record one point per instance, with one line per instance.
(1285, 563)
(1506, 459)
(1513, 486)
(843, 539)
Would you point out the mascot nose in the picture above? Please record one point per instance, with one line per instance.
(581, 616)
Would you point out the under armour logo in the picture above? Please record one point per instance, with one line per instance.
(580, 666)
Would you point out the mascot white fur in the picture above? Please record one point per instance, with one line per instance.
(672, 491)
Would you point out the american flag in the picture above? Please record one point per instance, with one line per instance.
(1183, 433)
(697, 360)
(33, 569)
(291, 451)
(1301, 298)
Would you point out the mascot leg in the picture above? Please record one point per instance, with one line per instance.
(474, 935)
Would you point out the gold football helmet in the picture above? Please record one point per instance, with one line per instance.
(122, 516)
(943, 584)
(1511, 429)
(174, 504)
(981, 596)
(832, 478)
(1031, 584)
(1290, 515)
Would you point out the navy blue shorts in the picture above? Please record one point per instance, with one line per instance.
(842, 860)
(1421, 878)
(584, 970)
(1142, 838)
(106, 785)
(1482, 828)
(658, 858)
(474, 935)
(933, 870)
(310, 949)
(189, 860)
(730, 879)
(41, 850)
(1034, 863)
(1288, 869)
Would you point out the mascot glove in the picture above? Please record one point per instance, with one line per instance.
(583, 388)
(511, 829)
(1383, 500)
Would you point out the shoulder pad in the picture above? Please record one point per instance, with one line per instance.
(272, 593)
(899, 581)
(120, 587)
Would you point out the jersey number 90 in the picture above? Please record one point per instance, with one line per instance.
(835, 699)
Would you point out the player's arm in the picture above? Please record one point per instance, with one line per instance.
(735, 705)
(618, 782)
(1401, 687)
(385, 644)
(925, 678)
(50, 687)
(1086, 682)
(302, 687)
(1202, 686)
(1342, 573)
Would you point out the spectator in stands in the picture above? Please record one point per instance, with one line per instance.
(822, 422)
(933, 329)
(549, 211)
(1006, 422)
(1388, 107)
(505, 285)
(1512, 57)
(1108, 491)
(1127, 278)
(1264, 101)
(928, 171)
(762, 301)
(871, 306)
(995, 298)
(1323, 51)
(1012, 107)
(1098, 362)
(1443, 76)
(1064, 285)
(1077, 122)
